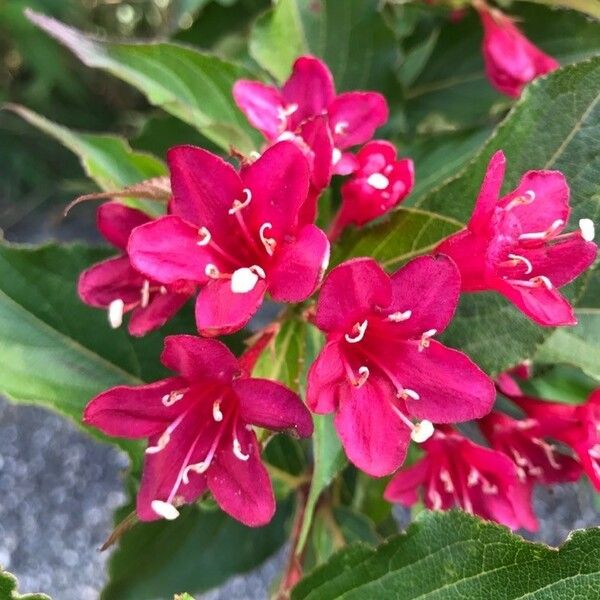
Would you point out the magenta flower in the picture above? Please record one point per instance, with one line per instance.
(379, 183)
(353, 117)
(457, 472)
(511, 60)
(537, 459)
(199, 429)
(514, 245)
(235, 235)
(381, 367)
(117, 287)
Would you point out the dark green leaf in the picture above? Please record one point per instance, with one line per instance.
(447, 556)
(589, 7)
(8, 588)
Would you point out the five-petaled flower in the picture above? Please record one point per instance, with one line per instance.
(514, 245)
(279, 114)
(116, 286)
(457, 472)
(511, 60)
(199, 427)
(381, 366)
(235, 235)
(379, 184)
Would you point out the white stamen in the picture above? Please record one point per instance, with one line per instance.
(527, 198)
(115, 313)
(408, 393)
(534, 282)
(145, 294)
(587, 229)
(543, 235)
(422, 431)
(447, 481)
(205, 237)
(473, 477)
(398, 317)
(378, 181)
(237, 450)
(238, 204)
(172, 398)
(424, 342)
(525, 261)
(217, 414)
(340, 127)
(548, 451)
(243, 280)
(164, 509)
(268, 243)
(435, 498)
(199, 468)
(489, 488)
(363, 373)
(285, 111)
(163, 290)
(336, 155)
(211, 271)
(163, 440)
(361, 329)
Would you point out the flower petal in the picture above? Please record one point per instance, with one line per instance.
(262, 104)
(373, 436)
(199, 359)
(316, 135)
(468, 250)
(354, 117)
(116, 221)
(167, 250)
(299, 266)
(325, 377)
(404, 485)
(160, 309)
(242, 488)
(350, 292)
(204, 188)
(220, 311)
(489, 193)
(271, 405)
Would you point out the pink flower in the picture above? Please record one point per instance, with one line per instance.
(235, 235)
(511, 60)
(381, 366)
(514, 245)
(352, 117)
(379, 184)
(116, 286)
(457, 472)
(199, 429)
(523, 441)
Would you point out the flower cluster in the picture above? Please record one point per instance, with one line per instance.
(231, 236)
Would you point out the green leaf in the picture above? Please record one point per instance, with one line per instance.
(406, 233)
(193, 86)
(453, 556)
(588, 7)
(453, 91)
(8, 588)
(351, 36)
(196, 552)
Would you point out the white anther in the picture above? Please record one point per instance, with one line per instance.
(543, 235)
(340, 127)
(163, 440)
(286, 111)
(199, 468)
(447, 481)
(115, 313)
(171, 398)
(205, 237)
(268, 243)
(489, 488)
(245, 279)
(145, 294)
(254, 155)
(473, 477)
(525, 261)
(163, 290)
(217, 414)
(378, 181)
(336, 156)
(164, 509)
(424, 342)
(400, 316)
(361, 330)
(237, 450)
(527, 198)
(363, 373)
(542, 280)
(238, 204)
(435, 499)
(422, 431)
(587, 229)
(211, 271)
(408, 393)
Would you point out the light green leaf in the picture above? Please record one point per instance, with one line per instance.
(193, 86)
(588, 7)
(8, 588)
(452, 556)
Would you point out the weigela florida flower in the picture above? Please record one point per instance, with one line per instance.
(511, 60)
(199, 429)
(235, 235)
(381, 367)
(379, 183)
(537, 459)
(352, 117)
(116, 286)
(457, 472)
(514, 245)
